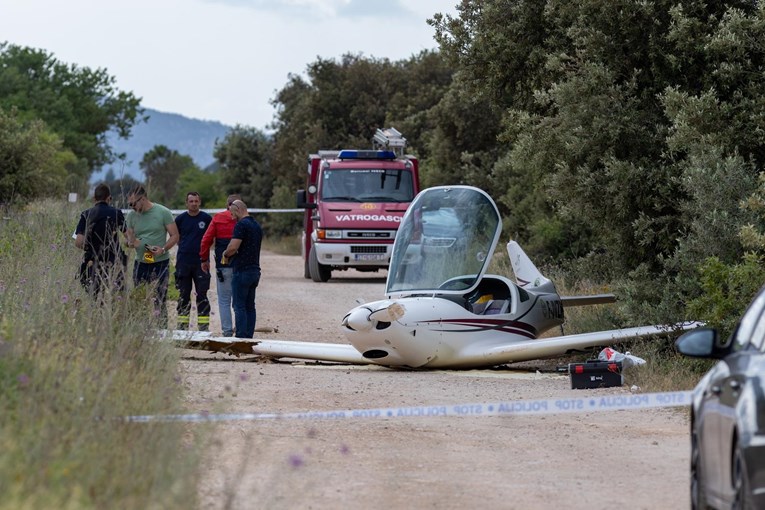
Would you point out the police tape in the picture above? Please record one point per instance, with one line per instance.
(510, 408)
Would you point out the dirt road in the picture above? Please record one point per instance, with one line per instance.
(623, 459)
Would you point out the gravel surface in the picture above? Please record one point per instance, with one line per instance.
(599, 460)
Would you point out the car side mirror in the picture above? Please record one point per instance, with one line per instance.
(701, 343)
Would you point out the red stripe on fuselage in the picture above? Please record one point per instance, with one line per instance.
(514, 327)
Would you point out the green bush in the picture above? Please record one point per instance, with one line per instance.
(727, 291)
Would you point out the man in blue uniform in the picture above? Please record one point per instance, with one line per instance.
(243, 251)
(192, 225)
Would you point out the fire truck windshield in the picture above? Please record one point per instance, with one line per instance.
(367, 185)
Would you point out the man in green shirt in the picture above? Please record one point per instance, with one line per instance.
(151, 230)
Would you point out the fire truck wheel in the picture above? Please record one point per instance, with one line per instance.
(319, 272)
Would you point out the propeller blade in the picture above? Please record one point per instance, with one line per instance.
(391, 313)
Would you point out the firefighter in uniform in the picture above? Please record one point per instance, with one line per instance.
(192, 225)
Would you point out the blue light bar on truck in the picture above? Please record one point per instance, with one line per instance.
(368, 154)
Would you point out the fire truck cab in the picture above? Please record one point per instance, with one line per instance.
(354, 201)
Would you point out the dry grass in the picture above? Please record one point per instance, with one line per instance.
(69, 368)
(282, 245)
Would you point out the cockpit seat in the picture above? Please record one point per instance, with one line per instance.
(496, 306)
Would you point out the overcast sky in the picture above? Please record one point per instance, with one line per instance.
(217, 60)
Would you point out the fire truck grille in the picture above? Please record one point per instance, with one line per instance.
(368, 249)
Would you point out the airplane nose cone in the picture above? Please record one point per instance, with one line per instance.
(358, 319)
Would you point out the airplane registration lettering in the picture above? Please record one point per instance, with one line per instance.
(422, 411)
(516, 407)
(552, 309)
(469, 409)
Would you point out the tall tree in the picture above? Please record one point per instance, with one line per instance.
(206, 183)
(341, 103)
(79, 104)
(163, 167)
(717, 122)
(32, 161)
(581, 86)
(244, 156)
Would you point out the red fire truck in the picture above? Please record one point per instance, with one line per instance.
(354, 201)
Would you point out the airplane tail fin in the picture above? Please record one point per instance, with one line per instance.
(528, 276)
(526, 273)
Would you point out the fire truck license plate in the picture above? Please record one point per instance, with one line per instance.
(370, 256)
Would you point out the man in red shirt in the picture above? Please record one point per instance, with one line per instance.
(219, 232)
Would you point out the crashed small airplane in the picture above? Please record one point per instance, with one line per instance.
(441, 309)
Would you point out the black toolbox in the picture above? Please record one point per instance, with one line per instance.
(595, 374)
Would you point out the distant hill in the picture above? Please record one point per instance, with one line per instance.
(191, 137)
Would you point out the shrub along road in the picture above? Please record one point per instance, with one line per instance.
(635, 458)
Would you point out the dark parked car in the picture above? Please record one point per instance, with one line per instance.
(728, 414)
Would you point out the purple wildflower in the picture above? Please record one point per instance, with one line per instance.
(23, 380)
(296, 461)
(344, 449)
(64, 298)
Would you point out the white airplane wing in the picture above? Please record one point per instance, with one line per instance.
(477, 355)
(342, 353)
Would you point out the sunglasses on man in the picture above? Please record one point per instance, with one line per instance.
(135, 202)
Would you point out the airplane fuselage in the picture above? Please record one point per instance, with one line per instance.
(433, 331)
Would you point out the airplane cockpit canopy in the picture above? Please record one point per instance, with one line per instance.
(445, 242)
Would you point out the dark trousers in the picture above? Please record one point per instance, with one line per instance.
(158, 276)
(186, 276)
(99, 277)
(243, 286)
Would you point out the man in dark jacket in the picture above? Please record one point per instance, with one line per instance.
(97, 233)
(244, 252)
(192, 225)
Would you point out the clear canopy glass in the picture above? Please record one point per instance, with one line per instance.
(445, 242)
(367, 185)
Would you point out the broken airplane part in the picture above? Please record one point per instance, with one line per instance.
(441, 309)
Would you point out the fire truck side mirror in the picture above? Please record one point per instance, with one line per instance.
(302, 202)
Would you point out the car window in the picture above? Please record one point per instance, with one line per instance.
(751, 328)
